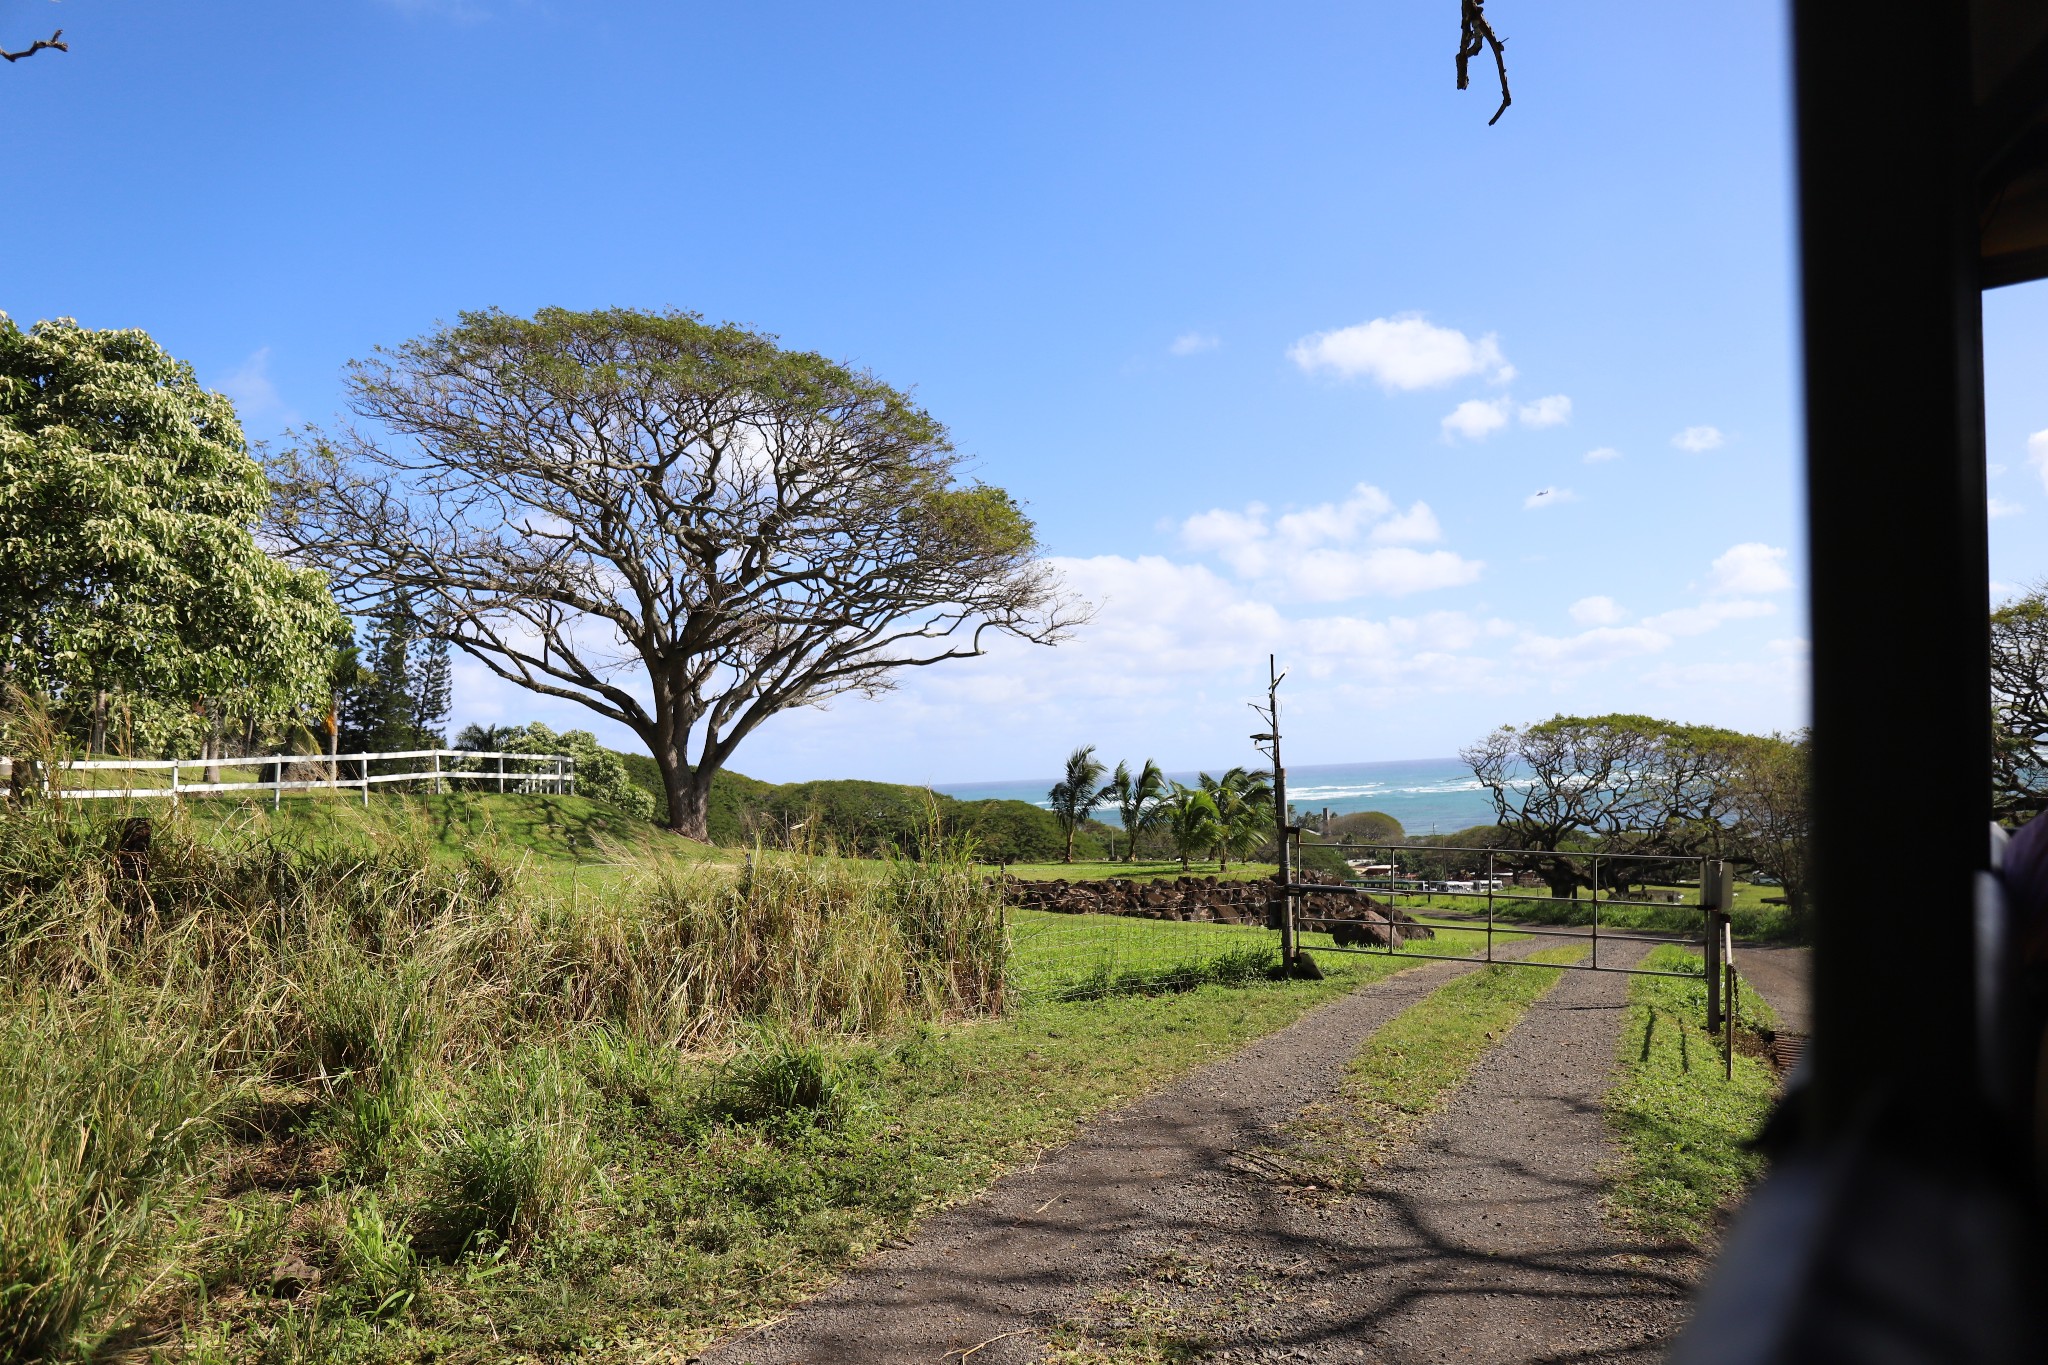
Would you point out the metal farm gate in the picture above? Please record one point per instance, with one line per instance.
(1697, 892)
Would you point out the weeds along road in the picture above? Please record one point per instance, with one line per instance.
(1163, 1233)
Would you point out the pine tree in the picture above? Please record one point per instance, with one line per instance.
(430, 690)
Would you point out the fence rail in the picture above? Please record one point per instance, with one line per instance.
(555, 773)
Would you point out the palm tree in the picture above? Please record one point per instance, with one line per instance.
(1244, 811)
(1189, 814)
(1137, 801)
(1078, 793)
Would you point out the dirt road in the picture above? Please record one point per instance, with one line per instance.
(1159, 1229)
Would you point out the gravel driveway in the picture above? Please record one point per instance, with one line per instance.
(1483, 1242)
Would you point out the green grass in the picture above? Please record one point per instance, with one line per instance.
(1681, 1124)
(1410, 1068)
(490, 1119)
(1751, 917)
(722, 1192)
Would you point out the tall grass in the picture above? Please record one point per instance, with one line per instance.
(411, 1027)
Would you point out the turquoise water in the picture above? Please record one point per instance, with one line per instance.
(1425, 794)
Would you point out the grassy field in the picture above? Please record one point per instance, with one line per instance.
(378, 1087)
(1681, 1122)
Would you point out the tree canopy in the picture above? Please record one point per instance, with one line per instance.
(128, 508)
(684, 527)
(1634, 783)
(2019, 706)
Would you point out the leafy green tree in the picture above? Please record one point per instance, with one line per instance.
(1366, 827)
(128, 508)
(1077, 793)
(747, 529)
(2019, 707)
(1243, 800)
(1190, 821)
(1773, 820)
(1614, 783)
(601, 774)
(1137, 800)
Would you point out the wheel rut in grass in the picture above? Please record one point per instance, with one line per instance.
(1486, 1239)
(1162, 1228)
(1032, 1249)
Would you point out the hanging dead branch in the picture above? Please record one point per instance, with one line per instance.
(1474, 37)
(55, 40)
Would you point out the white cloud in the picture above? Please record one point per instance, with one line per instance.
(1416, 526)
(1701, 619)
(2037, 454)
(1602, 644)
(1749, 568)
(1553, 411)
(256, 397)
(1993, 469)
(1597, 611)
(1474, 418)
(1313, 552)
(1404, 352)
(1603, 454)
(1697, 439)
(1996, 507)
(1194, 343)
(1549, 497)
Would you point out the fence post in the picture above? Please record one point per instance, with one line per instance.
(366, 781)
(174, 784)
(1596, 913)
(501, 773)
(1713, 890)
(1489, 906)
(437, 772)
(277, 782)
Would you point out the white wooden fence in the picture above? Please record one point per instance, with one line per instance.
(554, 773)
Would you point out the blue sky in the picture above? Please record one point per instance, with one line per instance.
(1280, 342)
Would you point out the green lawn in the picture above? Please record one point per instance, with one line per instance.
(1682, 1123)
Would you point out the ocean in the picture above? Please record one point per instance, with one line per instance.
(1427, 795)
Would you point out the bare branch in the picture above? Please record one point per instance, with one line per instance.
(55, 40)
(583, 497)
(1474, 37)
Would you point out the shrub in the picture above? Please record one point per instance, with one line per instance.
(601, 774)
(511, 1171)
(781, 1080)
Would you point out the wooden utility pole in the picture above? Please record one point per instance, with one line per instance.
(1269, 741)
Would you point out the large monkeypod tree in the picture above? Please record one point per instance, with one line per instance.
(683, 527)
(128, 508)
(1572, 785)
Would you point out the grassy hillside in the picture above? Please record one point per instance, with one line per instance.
(451, 827)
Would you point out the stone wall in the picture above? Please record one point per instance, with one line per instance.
(1351, 919)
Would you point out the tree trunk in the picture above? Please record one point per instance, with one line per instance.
(97, 744)
(689, 793)
(216, 741)
(1070, 841)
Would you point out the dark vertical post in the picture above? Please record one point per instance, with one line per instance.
(1489, 906)
(1280, 812)
(1896, 542)
(1596, 913)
